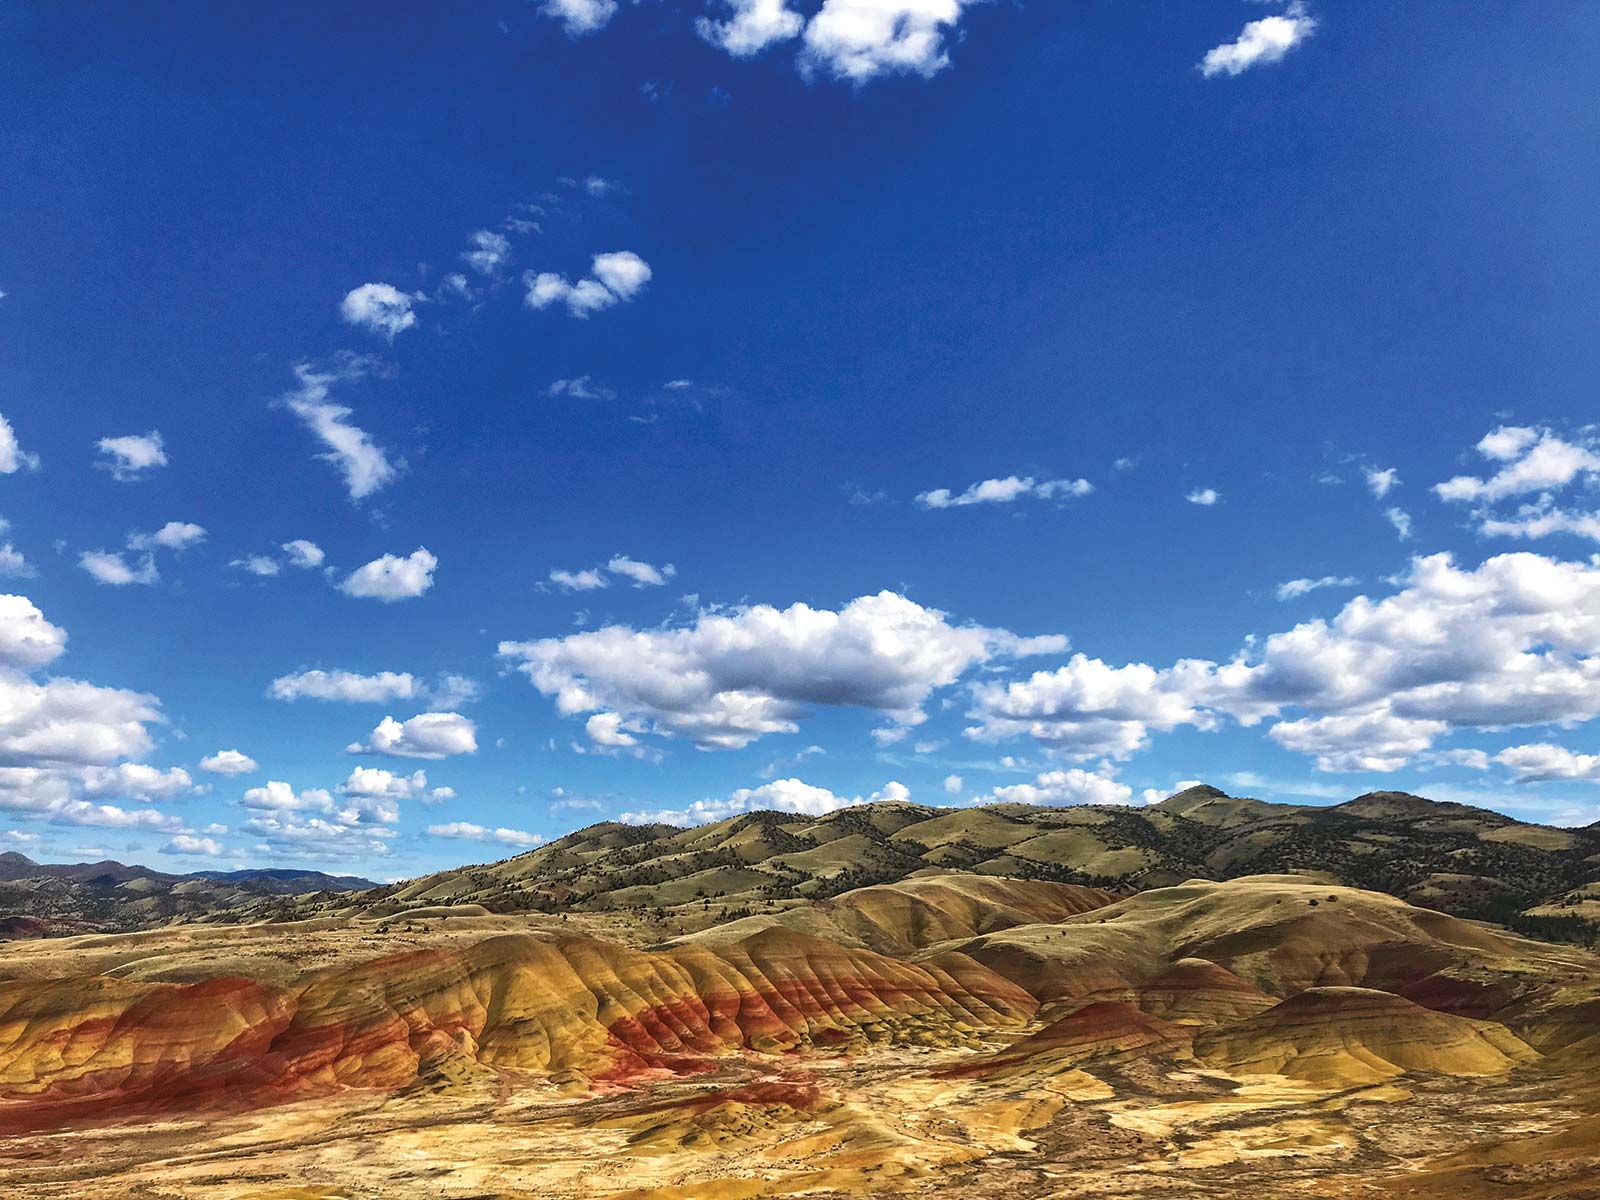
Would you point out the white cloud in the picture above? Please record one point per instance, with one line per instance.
(953, 784)
(1205, 497)
(229, 762)
(1381, 482)
(781, 795)
(1401, 520)
(129, 457)
(489, 251)
(136, 781)
(1004, 491)
(14, 564)
(431, 735)
(1073, 786)
(27, 640)
(1090, 709)
(623, 272)
(69, 722)
(859, 40)
(1515, 642)
(642, 573)
(579, 17)
(176, 536)
(258, 564)
(391, 577)
(617, 276)
(1536, 463)
(185, 843)
(313, 820)
(1536, 460)
(752, 26)
(365, 466)
(114, 570)
(1360, 741)
(581, 388)
(303, 554)
(1540, 520)
(374, 783)
(1262, 41)
(13, 457)
(586, 580)
(379, 308)
(1542, 761)
(468, 832)
(731, 677)
(346, 686)
(1300, 587)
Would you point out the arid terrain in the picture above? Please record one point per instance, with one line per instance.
(964, 1029)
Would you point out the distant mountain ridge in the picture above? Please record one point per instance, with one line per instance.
(40, 899)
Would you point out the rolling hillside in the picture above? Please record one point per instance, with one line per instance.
(1466, 861)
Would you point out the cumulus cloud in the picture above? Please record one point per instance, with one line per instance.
(581, 388)
(391, 577)
(382, 687)
(374, 783)
(303, 554)
(486, 251)
(586, 580)
(642, 574)
(1204, 497)
(860, 40)
(1004, 491)
(364, 465)
(751, 26)
(431, 735)
(15, 564)
(1300, 587)
(129, 458)
(1512, 643)
(1073, 786)
(1263, 41)
(176, 536)
(27, 640)
(1534, 465)
(1090, 709)
(186, 843)
(579, 17)
(135, 781)
(378, 308)
(1381, 482)
(313, 820)
(67, 721)
(468, 832)
(13, 457)
(258, 564)
(229, 762)
(1535, 460)
(615, 277)
(1544, 761)
(953, 784)
(734, 676)
(115, 571)
(781, 795)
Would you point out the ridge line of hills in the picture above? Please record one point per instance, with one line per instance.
(1452, 857)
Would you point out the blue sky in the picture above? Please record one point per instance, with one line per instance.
(982, 372)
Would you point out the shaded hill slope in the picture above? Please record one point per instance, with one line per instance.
(1458, 859)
